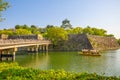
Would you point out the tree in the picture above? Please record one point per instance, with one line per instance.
(34, 29)
(49, 26)
(25, 27)
(18, 27)
(7, 32)
(3, 6)
(100, 32)
(118, 41)
(110, 35)
(22, 32)
(56, 34)
(76, 30)
(22, 27)
(95, 31)
(88, 30)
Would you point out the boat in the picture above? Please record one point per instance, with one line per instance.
(88, 52)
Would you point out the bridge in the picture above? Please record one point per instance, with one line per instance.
(9, 47)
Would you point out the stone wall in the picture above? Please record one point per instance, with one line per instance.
(76, 42)
(103, 43)
(81, 41)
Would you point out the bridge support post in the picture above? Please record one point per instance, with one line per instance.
(43, 48)
(32, 49)
(7, 56)
(46, 48)
(36, 49)
(0, 55)
(28, 49)
(2, 52)
(13, 57)
(40, 47)
(14, 52)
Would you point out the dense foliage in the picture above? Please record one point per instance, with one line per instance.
(54, 33)
(3, 6)
(12, 71)
(22, 30)
(118, 41)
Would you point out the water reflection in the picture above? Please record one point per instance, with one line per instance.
(108, 63)
(33, 60)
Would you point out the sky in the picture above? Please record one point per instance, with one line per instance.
(103, 14)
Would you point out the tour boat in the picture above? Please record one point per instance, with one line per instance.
(88, 52)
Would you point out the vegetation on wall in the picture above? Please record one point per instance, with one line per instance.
(118, 41)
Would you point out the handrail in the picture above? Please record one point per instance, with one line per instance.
(21, 41)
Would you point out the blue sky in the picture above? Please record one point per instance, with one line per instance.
(95, 13)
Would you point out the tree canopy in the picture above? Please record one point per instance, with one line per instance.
(76, 30)
(94, 31)
(22, 32)
(56, 34)
(118, 41)
(3, 6)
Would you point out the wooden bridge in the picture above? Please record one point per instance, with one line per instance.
(9, 47)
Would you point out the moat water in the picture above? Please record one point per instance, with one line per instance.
(107, 64)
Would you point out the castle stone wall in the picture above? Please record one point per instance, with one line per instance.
(103, 43)
(77, 42)
(82, 41)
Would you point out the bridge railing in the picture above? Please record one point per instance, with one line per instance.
(21, 41)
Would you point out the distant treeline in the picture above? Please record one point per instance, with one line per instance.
(54, 33)
(24, 29)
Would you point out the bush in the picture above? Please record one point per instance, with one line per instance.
(13, 71)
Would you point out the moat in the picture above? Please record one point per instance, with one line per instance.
(107, 64)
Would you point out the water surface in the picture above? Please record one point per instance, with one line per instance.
(108, 63)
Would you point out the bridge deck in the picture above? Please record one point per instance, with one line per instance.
(10, 43)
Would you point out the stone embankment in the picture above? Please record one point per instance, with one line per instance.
(103, 43)
(82, 41)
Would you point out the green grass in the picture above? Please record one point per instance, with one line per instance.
(12, 71)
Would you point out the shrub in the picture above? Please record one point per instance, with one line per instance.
(13, 71)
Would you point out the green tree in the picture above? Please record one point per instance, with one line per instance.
(7, 32)
(56, 34)
(77, 30)
(95, 31)
(110, 35)
(3, 6)
(88, 30)
(25, 27)
(34, 29)
(22, 27)
(49, 26)
(100, 32)
(118, 41)
(18, 27)
(22, 32)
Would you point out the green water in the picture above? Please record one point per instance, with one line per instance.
(108, 63)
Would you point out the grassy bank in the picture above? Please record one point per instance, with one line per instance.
(12, 71)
